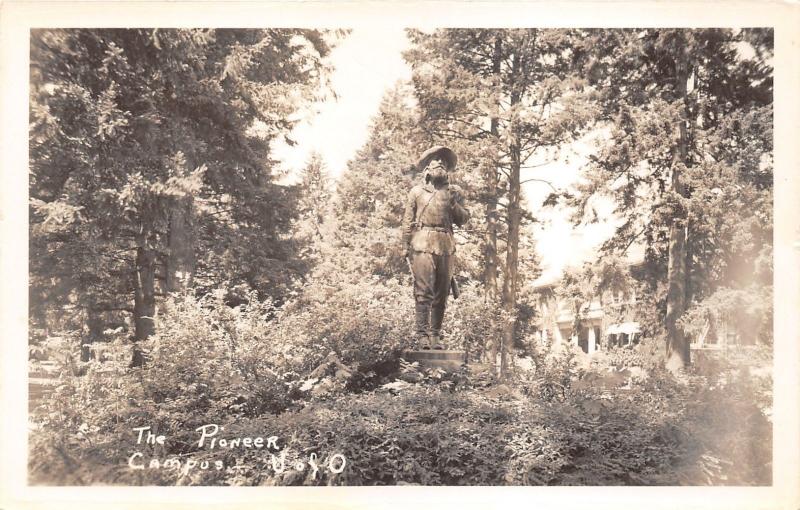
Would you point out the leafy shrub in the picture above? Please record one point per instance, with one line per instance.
(245, 369)
(472, 322)
(648, 354)
(364, 322)
(554, 368)
(746, 312)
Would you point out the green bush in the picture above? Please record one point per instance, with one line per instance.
(472, 323)
(554, 368)
(248, 369)
(664, 432)
(648, 354)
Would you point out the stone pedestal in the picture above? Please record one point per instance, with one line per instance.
(480, 368)
(444, 359)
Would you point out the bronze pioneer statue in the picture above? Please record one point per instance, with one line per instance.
(432, 208)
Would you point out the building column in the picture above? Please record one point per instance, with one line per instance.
(592, 341)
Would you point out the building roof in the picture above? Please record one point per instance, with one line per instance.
(549, 279)
(625, 327)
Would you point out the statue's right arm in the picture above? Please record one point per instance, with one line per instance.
(408, 216)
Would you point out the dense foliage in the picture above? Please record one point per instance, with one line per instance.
(507, 100)
(565, 420)
(282, 311)
(687, 160)
(151, 170)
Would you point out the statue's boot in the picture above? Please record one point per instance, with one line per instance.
(423, 314)
(437, 317)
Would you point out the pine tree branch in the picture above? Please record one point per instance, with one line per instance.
(634, 238)
(540, 180)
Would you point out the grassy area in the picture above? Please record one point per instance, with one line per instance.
(647, 428)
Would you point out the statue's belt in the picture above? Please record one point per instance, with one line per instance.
(435, 228)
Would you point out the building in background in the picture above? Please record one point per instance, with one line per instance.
(605, 322)
(721, 335)
(610, 321)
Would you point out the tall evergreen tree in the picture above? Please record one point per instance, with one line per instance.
(371, 192)
(509, 100)
(689, 120)
(313, 226)
(148, 147)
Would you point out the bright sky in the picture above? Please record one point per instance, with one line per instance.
(559, 244)
(366, 64)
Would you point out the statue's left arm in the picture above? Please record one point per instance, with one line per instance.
(458, 212)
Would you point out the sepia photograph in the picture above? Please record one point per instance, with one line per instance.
(405, 255)
(544, 258)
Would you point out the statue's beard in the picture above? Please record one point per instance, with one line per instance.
(438, 176)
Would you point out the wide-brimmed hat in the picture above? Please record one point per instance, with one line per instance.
(440, 152)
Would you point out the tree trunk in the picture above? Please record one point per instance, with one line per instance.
(144, 305)
(490, 242)
(677, 344)
(514, 218)
(677, 348)
(689, 294)
(181, 260)
(512, 258)
(490, 239)
(94, 324)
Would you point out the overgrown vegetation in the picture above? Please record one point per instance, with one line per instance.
(618, 418)
(281, 312)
